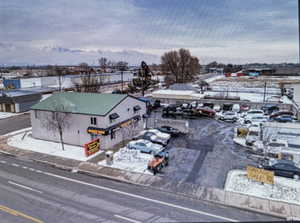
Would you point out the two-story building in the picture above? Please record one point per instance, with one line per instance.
(111, 118)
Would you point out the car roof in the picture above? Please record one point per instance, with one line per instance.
(284, 162)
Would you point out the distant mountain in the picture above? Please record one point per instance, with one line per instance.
(20, 55)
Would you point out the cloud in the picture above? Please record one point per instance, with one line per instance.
(227, 30)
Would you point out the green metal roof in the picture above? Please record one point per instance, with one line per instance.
(81, 103)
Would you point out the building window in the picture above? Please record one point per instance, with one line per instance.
(35, 114)
(136, 109)
(93, 121)
(113, 117)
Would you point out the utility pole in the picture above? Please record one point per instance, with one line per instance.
(265, 89)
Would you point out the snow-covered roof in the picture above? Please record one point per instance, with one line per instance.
(177, 94)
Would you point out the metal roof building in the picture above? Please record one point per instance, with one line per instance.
(18, 100)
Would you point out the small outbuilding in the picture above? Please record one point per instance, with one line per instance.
(18, 100)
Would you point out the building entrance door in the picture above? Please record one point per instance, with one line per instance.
(7, 108)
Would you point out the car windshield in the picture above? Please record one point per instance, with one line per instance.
(253, 134)
(229, 113)
(255, 112)
(258, 117)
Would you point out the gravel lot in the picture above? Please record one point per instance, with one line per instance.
(204, 156)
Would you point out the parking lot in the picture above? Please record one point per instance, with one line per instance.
(205, 155)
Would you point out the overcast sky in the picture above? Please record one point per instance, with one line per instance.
(74, 31)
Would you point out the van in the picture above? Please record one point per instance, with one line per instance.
(236, 108)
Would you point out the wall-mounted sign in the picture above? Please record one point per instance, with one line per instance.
(92, 147)
(96, 131)
(260, 175)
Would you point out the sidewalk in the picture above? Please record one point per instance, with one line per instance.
(158, 182)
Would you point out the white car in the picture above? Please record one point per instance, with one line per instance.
(229, 116)
(254, 112)
(276, 145)
(145, 146)
(236, 108)
(217, 108)
(158, 133)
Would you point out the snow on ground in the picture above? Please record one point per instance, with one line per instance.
(130, 160)
(8, 114)
(284, 189)
(47, 147)
(214, 78)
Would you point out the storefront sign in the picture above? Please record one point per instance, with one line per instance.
(96, 131)
(260, 175)
(92, 147)
(125, 124)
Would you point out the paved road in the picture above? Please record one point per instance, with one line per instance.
(32, 192)
(14, 123)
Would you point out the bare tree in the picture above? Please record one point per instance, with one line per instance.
(128, 133)
(181, 64)
(58, 121)
(103, 63)
(90, 83)
(84, 68)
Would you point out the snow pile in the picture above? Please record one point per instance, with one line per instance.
(284, 189)
(8, 114)
(129, 160)
(47, 147)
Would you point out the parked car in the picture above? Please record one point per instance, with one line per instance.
(254, 112)
(284, 168)
(255, 119)
(283, 112)
(145, 146)
(169, 130)
(159, 161)
(217, 108)
(227, 107)
(236, 108)
(270, 108)
(276, 145)
(152, 137)
(229, 116)
(164, 136)
(206, 111)
(244, 107)
(253, 135)
(284, 118)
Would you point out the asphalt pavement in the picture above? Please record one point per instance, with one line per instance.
(14, 123)
(33, 192)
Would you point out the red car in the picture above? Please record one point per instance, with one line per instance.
(205, 111)
(279, 113)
